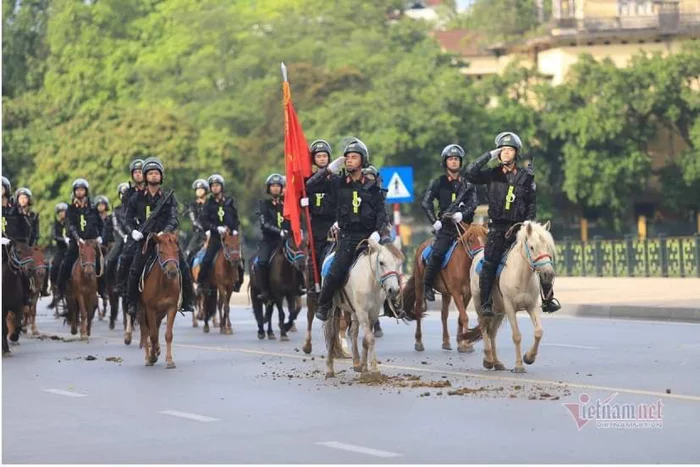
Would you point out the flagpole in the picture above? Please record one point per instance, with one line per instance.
(307, 215)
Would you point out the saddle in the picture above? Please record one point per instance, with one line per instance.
(150, 263)
(426, 254)
(501, 264)
(330, 257)
(198, 258)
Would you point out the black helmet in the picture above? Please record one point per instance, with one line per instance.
(80, 183)
(102, 199)
(136, 164)
(359, 147)
(452, 150)
(275, 179)
(60, 207)
(24, 191)
(508, 138)
(320, 145)
(121, 189)
(200, 183)
(153, 163)
(8, 186)
(216, 178)
(371, 170)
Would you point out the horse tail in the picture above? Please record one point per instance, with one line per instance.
(330, 333)
(408, 297)
(474, 334)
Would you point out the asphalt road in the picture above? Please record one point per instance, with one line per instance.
(235, 399)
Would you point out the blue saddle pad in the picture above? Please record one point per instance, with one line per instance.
(501, 265)
(426, 254)
(326, 266)
(198, 258)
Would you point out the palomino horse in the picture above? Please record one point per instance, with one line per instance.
(81, 296)
(16, 262)
(372, 280)
(518, 288)
(452, 283)
(224, 276)
(38, 272)
(160, 297)
(286, 276)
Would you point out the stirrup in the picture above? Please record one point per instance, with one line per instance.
(490, 313)
(551, 305)
(429, 294)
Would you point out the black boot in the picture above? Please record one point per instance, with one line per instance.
(239, 282)
(549, 303)
(263, 279)
(122, 277)
(486, 278)
(187, 288)
(325, 299)
(132, 294)
(45, 289)
(431, 270)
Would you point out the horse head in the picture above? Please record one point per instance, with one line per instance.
(387, 262)
(87, 255)
(539, 247)
(38, 268)
(475, 238)
(23, 258)
(231, 247)
(168, 254)
(295, 254)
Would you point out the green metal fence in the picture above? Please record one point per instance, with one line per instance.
(630, 257)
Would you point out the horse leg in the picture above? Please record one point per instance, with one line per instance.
(462, 328)
(269, 309)
(517, 337)
(531, 354)
(220, 309)
(169, 363)
(419, 333)
(419, 307)
(35, 331)
(280, 315)
(354, 335)
(463, 323)
(155, 337)
(310, 311)
(367, 341)
(444, 314)
(128, 329)
(83, 316)
(227, 311)
(344, 321)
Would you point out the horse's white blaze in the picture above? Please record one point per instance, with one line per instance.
(61, 392)
(189, 416)
(358, 449)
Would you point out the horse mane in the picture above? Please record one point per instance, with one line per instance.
(475, 231)
(395, 251)
(538, 231)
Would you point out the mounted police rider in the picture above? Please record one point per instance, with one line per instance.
(14, 229)
(23, 203)
(457, 199)
(512, 199)
(321, 199)
(118, 232)
(103, 208)
(360, 214)
(84, 223)
(275, 228)
(140, 207)
(201, 189)
(218, 216)
(61, 240)
(129, 249)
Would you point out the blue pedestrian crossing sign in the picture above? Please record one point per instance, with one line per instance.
(399, 183)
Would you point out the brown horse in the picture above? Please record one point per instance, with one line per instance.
(81, 295)
(38, 271)
(452, 283)
(16, 262)
(160, 297)
(225, 276)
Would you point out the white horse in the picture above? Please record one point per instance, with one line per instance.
(373, 279)
(518, 288)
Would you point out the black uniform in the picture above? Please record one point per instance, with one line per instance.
(119, 239)
(512, 199)
(322, 208)
(216, 214)
(130, 246)
(272, 222)
(16, 228)
(60, 232)
(453, 195)
(32, 218)
(360, 211)
(194, 210)
(139, 208)
(83, 222)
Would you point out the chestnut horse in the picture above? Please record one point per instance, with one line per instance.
(81, 296)
(160, 297)
(452, 282)
(225, 276)
(38, 272)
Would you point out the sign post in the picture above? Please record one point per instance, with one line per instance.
(398, 181)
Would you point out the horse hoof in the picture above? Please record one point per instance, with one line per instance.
(170, 365)
(419, 347)
(446, 347)
(378, 333)
(149, 363)
(127, 340)
(261, 335)
(111, 325)
(153, 360)
(6, 353)
(357, 369)
(222, 330)
(35, 333)
(206, 328)
(271, 336)
(307, 348)
(74, 332)
(293, 328)
(519, 369)
(488, 365)
(528, 360)
(24, 330)
(229, 331)
(284, 338)
(499, 366)
(330, 374)
(466, 349)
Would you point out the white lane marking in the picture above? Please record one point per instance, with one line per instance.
(358, 449)
(690, 346)
(570, 346)
(189, 416)
(61, 392)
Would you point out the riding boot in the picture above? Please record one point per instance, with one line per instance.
(132, 293)
(187, 288)
(122, 277)
(101, 287)
(325, 298)
(263, 276)
(301, 289)
(239, 282)
(486, 279)
(54, 302)
(431, 270)
(45, 288)
(549, 303)
(62, 280)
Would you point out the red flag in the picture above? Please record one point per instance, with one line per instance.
(297, 164)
